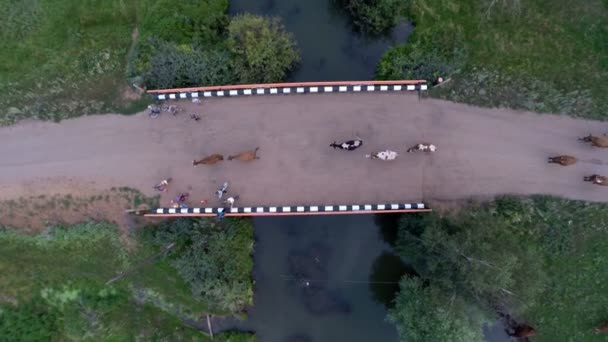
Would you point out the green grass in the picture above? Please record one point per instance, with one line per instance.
(540, 55)
(62, 274)
(575, 254)
(63, 58)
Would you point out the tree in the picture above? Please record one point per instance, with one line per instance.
(425, 313)
(263, 51)
(483, 255)
(214, 259)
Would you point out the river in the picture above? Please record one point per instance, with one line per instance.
(325, 278)
(330, 48)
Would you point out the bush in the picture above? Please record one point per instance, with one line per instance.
(32, 320)
(214, 259)
(404, 63)
(263, 51)
(375, 16)
(172, 66)
(421, 314)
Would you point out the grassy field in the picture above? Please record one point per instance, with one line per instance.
(63, 275)
(539, 55)
(64, 58)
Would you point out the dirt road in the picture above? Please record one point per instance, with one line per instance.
(481, 152)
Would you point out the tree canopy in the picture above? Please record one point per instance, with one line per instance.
(213, 258)
(424, 313)
(264, 52)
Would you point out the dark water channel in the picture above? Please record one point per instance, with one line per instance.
(326, 278)
(315, 280)
(330, 48)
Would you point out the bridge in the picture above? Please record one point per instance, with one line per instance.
(481, 152)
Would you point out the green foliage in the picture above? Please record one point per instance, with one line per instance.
(54, 286)
(32, 320)
(375, 16)
(173, 66)
(541, 259)
(421, 314)
(63, 253)
(479, 255)
(264, 52)
(185, 21)
(235, 336)
(214, 259)
(407, 63)
(521, 54)
(62, 58)
(65, 58)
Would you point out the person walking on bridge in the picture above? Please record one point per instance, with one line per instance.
(231, 200)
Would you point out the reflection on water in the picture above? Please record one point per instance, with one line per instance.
(312, 280)
(387, 271)
(330, 49)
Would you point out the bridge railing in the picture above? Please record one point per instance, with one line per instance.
(289, 88)
(290, 210)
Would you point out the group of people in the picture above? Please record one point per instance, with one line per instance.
(565, 160)
(180, 200)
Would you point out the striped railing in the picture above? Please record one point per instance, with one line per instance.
(289, 88)
(292, 210)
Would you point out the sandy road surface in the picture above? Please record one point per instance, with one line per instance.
(481, 152)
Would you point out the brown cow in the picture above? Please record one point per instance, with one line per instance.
(563, 160)
(602, 328)
(522, 331)
(597, 179)
(246, 156)
(210, 160)
(595, 141)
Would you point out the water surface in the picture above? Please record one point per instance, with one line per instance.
(330, 48)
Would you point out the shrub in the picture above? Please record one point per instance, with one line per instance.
(375, 16)
(32, 320)
(263, 51)
(171, 66)
(215, 260)
(421, 314)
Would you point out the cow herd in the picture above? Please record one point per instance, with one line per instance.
(352, 145)
(565, 160)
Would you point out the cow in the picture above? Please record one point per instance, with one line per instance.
(595, 141)
(563, 160)
(602, 328)
(597, 179)
(523, 331)
(383, 155)
(423, 148)
(210, 160)
(246, 156)
(349, 145)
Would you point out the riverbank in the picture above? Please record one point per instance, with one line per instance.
(543, 56)
(84, 281)
(536, 260)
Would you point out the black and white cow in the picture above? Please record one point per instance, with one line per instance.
(348, 145)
